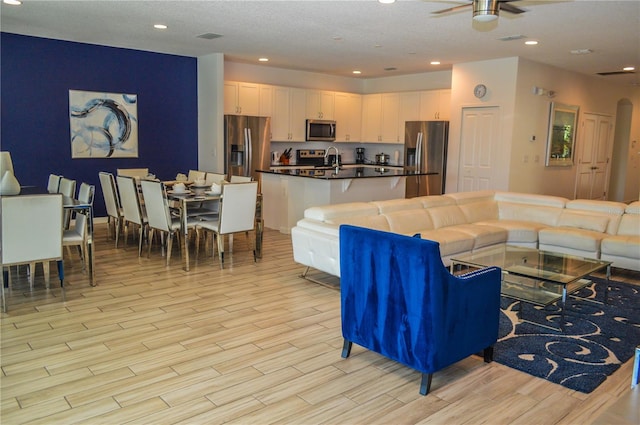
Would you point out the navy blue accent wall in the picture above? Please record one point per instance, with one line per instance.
(36, 77)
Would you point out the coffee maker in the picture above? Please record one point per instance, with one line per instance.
(359, 155)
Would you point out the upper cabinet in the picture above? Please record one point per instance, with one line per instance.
(435, 105)
(380, 116)
(320, 105)
(348, 116)
(409, 110)
(241, 98)
(288, 115)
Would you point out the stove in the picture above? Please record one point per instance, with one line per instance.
(313, 157)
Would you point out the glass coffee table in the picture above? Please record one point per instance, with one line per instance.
(537, 277)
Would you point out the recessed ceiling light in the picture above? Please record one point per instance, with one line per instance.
(263, 59)
(377, 46)
(12, 2)
(160, 26)
(386, 1)
(391, 68)
(629, 68)
(337, 38)
(531, 42)
(435, 62)
(357, 72)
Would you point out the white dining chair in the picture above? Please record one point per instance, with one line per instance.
(78, 234)
(132, 172)
(212, 178)
(160, 218)
(237, 214)
(67, 187)
(239, 179)
(196, 175)
(131, 209)
(53, 183)
(112, 203)
(31, 232)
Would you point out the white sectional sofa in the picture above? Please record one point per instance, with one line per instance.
(468, 221)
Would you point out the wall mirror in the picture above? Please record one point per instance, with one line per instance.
(563, 120)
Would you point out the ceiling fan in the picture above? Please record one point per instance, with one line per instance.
(486, 10)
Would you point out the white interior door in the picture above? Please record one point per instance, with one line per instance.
(480, 139)
(593, 153)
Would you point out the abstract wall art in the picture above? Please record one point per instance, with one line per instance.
(103, 125)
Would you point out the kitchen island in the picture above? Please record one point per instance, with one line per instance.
(288, 191)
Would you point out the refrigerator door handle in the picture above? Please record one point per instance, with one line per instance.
(249, 155)
(419, 153)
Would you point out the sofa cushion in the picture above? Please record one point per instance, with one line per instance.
(330, 212)
(446, 216)
(377, 222)
(581, 220)
(451, 241)
(612, 210)
(409, 222)
(571, 237)
(531, 199)
(622, 246)
(530, 213)
(435, 201)
(480, 211)
(630, 221)
(483, 235)
(391, 205)
(462, 198)
(517, 231)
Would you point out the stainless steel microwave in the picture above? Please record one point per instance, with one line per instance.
(321, 130)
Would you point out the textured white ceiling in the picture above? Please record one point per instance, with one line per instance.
(372, 36)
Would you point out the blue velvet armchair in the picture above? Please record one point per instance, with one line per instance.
(399, 300)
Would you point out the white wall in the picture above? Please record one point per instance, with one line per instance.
(210, 113)
(500, 78)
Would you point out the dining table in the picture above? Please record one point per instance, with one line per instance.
(181, 202)
(72, 204)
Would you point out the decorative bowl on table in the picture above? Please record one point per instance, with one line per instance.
(199, 190)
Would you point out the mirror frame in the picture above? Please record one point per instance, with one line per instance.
(561, 137)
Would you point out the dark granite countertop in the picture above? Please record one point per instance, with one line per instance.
(349, 172)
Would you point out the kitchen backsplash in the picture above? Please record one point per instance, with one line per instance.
(347, 150)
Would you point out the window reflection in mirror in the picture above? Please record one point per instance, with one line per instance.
(563, 120)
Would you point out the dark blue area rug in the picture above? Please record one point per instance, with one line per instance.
(597, 338)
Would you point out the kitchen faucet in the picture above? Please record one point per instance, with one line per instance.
(337, 160)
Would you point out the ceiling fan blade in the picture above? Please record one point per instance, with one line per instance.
(509, 8)
(451, 9)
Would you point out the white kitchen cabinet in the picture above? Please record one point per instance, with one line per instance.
(380, 118)
(266, 100)
(435, 105)
(348, 116)
(320, 104)
(241, 98)
(288, 115)
(409, 110)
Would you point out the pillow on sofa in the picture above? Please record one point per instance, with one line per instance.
(583, 221)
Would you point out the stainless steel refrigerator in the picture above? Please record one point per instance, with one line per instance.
(425, 150)
(247, 145)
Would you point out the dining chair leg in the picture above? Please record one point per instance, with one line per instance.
(151, 233)
(61, 276)
(31, 271)
(198, 244)
(221, 249)
(118, 224)
(140, 236)
(126, 233)
(46, 270)
(169, 246)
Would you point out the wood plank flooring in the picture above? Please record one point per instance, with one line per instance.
(250, 344)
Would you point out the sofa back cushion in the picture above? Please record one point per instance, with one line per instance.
(391, 205)
(435, 201)
(630, 221)
(583, 220)
(446, 216)
(331, 213)
(480, 211)
(378, 222)
(612, 210)
(409, 222)
(531, 199)
(534, 213)
(462, 198)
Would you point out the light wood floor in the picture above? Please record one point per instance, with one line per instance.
(250, 344)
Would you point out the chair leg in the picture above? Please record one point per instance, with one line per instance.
(61, 276)
(220, 249)
(198, 244)
(425, 383)
(488, 354)
(169, 245)
(346, 348)
(151, 232)
(117, 226)
(140, 236)
(32, 274)
(45, 269)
